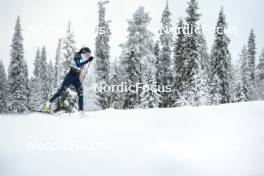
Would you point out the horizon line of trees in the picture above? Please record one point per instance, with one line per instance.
(198, 77)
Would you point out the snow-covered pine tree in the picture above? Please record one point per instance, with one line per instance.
(26, 71)
(116, 97)
(202, 82)
(17, 90)
(102, 54)
(44, 74)
(27, 82)
(3, 88)
(150, 97)
(245, 72)
(58, 65)
(69, 49)
(192, 56)
(156, 51)
(39, 83)
(36, 71)
(252, 54)
(239, 95)
(33, 94)
(252, 64)
(205, 58)
(178, 63)
(164, 72)
(34, 84)
(260, 76)
(132, 75)
(138, 48)
(220, 64)
(51, 77)
(215, 90)
(204, 71)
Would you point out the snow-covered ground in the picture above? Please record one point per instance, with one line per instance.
(225, 140)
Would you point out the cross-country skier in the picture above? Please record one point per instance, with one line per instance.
(73, 77)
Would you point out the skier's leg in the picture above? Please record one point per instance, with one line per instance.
(66, 83)
(79, 89)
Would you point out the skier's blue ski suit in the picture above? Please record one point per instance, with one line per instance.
(73, 78)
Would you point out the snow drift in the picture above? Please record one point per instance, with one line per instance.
(224, 140)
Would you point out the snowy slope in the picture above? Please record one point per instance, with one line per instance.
(225, 140)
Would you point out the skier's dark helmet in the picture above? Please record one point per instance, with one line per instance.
(84, 50)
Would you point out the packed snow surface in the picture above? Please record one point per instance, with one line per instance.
(224, 140)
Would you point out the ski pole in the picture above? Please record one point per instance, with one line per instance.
(82, 79)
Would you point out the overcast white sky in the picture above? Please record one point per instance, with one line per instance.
(43, 22)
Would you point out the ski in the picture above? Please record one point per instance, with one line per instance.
(39, 111)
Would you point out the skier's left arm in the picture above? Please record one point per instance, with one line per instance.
(80, 64)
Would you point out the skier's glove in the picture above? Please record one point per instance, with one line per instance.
(90, 58)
